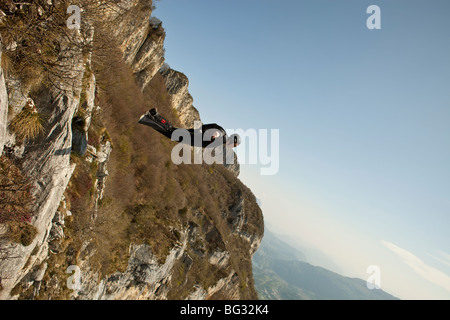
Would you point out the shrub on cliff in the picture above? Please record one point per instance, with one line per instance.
(27, 124)
(16, 200)
(31, 39)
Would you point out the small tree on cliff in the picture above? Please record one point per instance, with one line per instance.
(16, 201)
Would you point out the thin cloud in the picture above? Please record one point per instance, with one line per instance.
(427, 272)
(443, 258)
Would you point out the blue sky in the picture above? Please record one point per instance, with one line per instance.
(363, 117)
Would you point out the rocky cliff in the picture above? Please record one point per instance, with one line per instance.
(111, 216)
(3, 107)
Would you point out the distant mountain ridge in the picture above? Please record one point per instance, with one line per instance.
(281, 273)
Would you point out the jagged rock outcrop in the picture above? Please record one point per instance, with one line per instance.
(234, 166)
(181, 100)
(177, 87)
(229, 284)
(3, 106)
(143, 279)
(82, 122)
(101, 158)
(150, 56)
(141, 38)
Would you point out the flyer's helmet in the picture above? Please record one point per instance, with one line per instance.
(235, 139)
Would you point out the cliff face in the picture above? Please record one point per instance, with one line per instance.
(3, 107)
(181, 100)
(114, 218)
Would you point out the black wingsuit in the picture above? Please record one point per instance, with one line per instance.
(164, 127)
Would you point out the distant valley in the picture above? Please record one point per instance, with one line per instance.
(282, 273)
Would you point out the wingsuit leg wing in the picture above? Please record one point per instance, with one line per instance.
(163, 128)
